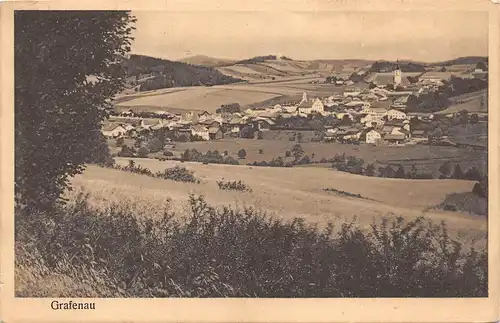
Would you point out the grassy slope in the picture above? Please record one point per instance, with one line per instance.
(284, 192)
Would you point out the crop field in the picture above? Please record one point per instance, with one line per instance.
(284, 193)
(276, 148)
(211, 98)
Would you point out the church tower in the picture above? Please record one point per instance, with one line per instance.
(397, 75)
(304, 98)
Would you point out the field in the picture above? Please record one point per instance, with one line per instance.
(427, 158)
(283, 192)
(211, 98)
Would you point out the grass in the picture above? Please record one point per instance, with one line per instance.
(284, 193)
(85, 251)
(428, 157)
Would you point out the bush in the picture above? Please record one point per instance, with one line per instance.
(126, 151)
(225, 252)
(479, 190)
(261, 151)
(288, 153)
(179, 174)
(242, 153)
(168, 153)
(234, 186)
(143, 152)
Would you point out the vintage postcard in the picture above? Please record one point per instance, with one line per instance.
(286, 161)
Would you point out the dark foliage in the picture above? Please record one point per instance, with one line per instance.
(242, 153)
(56, 107)
(223, 252)
(166, 74)
(234, 186)
(257, 59)
(179, 174)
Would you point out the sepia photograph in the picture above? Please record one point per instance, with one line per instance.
(157, 160)
(250, 154)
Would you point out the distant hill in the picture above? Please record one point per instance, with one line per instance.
(207, 61)
(149, 73)
(467, 60)
(257, 59)
(387, 66)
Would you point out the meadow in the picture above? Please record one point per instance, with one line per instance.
(428, 158)
(293, 232)
(284, 192)
(211, 98)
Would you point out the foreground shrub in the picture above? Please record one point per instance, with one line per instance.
(179, 174)
(234, 186)
(223, 252)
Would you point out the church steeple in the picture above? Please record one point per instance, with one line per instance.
(397, 74)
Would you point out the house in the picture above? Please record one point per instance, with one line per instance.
(200, 131)
(310, 107)
(396, 114)
(395, 139)
(190, 116)
(264, 124)
(401, 131)
(418, 134)
(210, 123)
(113, 130)
(148, 123)
(236, 124)
(376, 112)
(420, 115)
(215, 133)
(373, 137)
(203, 114)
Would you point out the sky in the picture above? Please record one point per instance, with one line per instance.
(423, 36)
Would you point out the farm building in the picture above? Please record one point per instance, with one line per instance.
(215, 133)
(310, 107)
(113, 130)
(395, 139)
(373, 137)
(200, 131)
(264, 124)
(396, 114)
(418, 134)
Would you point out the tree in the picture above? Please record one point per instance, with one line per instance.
(119, 142)
(400, 173)
(473, 174)
(387, 172)
(261, 151)
(242, 153)
(435, 135)
(474, 118)
(299, 137)
(445, 169)
(288, 153)
(413, 172)
(479, 190)
(126, 151)
(297, 152)
(55, 52)
(100, 155)
(143, 152)
(370, 170)
(458, 173)
(154, 145)
(226, 153)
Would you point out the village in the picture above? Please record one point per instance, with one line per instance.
(375, 115)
